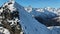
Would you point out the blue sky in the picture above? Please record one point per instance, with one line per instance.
(37, 3)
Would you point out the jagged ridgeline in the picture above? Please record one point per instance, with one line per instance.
(9, 19)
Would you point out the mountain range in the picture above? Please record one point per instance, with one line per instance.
(30, 20)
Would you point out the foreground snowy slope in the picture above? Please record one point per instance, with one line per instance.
(29, 24)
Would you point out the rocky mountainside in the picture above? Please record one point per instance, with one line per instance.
(9, 18)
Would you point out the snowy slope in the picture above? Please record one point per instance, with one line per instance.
(29, 24)
(32, 26)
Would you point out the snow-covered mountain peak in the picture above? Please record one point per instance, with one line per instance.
(29, 9)
(11, 15)
(9, 5)
(40, 9)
